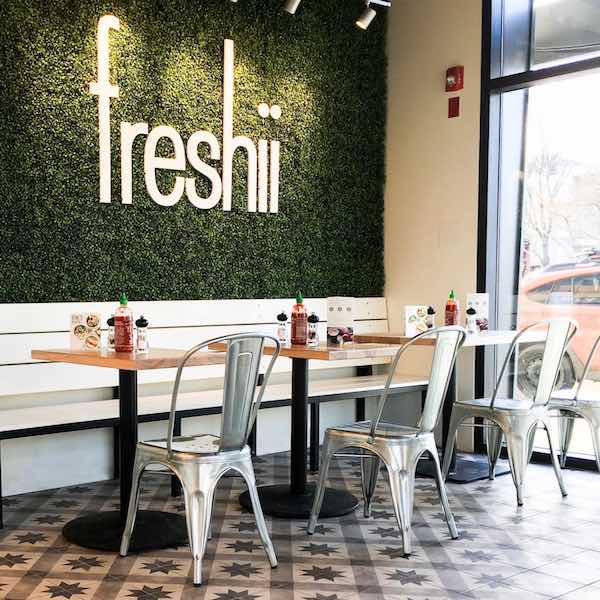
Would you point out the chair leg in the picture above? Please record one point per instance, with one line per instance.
(402, 487)
(455, 421)
(566, 424)
(595, 431)
(531, 443)
(441, 486)
(369, 470)
(493, 442)
(555, 461)
(175, 483)
(198, 505)
(138, 470)
(247, 473)
(320, 491)
(518, 456)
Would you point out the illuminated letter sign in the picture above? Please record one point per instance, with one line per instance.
(263, 163)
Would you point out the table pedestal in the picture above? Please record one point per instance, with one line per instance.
(103, 531)
(464, 468)
(280, 501)
(294, 500)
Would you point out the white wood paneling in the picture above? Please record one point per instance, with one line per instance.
(28, 318)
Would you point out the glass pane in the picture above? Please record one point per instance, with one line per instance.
(565, 31)
(553, 242)
(532, 34)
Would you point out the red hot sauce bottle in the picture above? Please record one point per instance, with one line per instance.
(452, 310)
(299, 335)
(123, 326)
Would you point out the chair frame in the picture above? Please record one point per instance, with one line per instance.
(400, 454)
(200, 473)
(517, 425)
(589, 412)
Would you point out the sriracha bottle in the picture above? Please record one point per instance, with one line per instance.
(123, 326)
(452, 310)
(299, 322)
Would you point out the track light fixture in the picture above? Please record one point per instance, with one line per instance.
(291, 6)
(366, 18)
(369, 13)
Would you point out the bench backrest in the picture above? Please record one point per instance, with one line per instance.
(176, 324)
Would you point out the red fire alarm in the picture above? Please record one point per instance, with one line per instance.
(455, 79)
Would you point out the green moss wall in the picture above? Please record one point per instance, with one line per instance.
(59, 243)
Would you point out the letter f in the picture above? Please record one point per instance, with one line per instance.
(105, 91)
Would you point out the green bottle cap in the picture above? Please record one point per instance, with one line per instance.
(299, 298)
(123, 299)
(452, 295)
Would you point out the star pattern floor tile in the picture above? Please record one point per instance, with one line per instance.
(550, 548)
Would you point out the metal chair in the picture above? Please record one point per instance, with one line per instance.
(199, 461)
(398, 447)
(575, 404)
(517, 419)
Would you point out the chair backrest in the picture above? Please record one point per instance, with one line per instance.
(558, 335)
(448, 341)
(560, 332)
(240, 398)
(587, 367)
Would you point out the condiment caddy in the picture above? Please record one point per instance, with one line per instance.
(303, 328)
(123, 334)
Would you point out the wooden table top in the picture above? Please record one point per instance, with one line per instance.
(484, 338)
(329, 352)
(156, 358)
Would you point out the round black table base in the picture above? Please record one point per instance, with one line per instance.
(102, 531)
(278, 501)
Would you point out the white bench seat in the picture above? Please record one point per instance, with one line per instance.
(22, 419)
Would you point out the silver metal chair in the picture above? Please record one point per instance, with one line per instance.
(398, 447)
(575, 404)
(517, 419)
(199, 461)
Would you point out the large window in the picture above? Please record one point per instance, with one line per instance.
(541, 180)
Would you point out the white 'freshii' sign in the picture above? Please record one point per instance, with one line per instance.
(263, 164)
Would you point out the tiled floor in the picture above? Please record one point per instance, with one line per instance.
(550, 548)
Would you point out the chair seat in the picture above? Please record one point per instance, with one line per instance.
(204, 444)
(501, 404)
(565, 398)
(385, 430)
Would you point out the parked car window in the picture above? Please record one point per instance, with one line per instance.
(540, 294)
(587, 289)
(562, 292)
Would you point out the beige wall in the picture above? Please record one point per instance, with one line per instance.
(432, 161)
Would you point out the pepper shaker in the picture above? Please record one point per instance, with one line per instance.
(313, 331)
(142, 334)
(111, 332)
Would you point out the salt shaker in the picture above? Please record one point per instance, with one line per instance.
(111, 332)
(142, 334)
(472, 320)
(430, 318)
(282, 327)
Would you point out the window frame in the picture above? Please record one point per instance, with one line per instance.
(493, 85)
